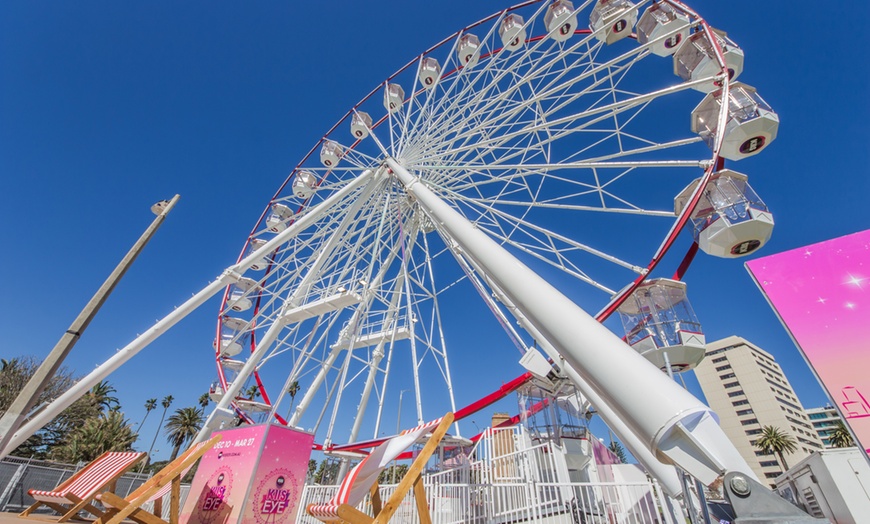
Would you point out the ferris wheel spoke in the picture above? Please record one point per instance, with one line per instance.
(551, 237)
(608, 111)
(552, 90)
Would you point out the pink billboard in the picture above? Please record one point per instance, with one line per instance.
(820, 293)
(254, 475)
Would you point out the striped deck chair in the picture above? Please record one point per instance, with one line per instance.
(168, 480)
(78, 491)
(363, 479)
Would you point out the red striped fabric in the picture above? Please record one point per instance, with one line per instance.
(367, 471)
(95, 475)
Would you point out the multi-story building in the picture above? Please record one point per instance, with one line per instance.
(748, 390)
(824, 421)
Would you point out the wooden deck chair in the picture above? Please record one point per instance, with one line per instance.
(363, 479)
(167, 480)
(78, 491)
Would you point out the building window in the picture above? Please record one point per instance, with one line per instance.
(734, 393)
(753, 431)
(745, 412)
(727, 375)
(761, 453)
(740, 403)
(732, 384)
(720, 359)
(749, 421)
(769, 463)
(772, 475)
(723, 368)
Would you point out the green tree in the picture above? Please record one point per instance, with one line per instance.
(616, 448)
(387, 474)
(840, 436)
(252, 392)
(101, 396)
(326, 472)
(312, 468)
(182, 427)
(203, 401)
(166, 402)
(775, 440)
(150, 404)
(292, 390)
(108, 432)
(14, 375)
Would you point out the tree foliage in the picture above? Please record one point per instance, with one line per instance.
(840, 436)
(775, 440)
(616, 448)
(14, 374)
(386, 476)
(107, 432)
(101, 396)
(182, 426)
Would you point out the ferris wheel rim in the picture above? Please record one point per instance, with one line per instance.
(664, 247)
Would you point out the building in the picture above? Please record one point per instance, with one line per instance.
(748, 390)
(824, 421)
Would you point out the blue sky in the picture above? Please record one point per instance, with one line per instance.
(108, 107)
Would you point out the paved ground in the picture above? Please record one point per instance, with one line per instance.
(13, 518)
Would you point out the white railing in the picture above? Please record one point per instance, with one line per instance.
(502, 503)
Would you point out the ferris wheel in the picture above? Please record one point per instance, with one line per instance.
(581, 138)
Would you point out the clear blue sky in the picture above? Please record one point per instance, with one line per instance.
(107, 107)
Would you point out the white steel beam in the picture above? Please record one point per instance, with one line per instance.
(675, 426)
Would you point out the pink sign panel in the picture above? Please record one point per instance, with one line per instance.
(820, 293)
(277, 485)
(254, 475)
(217, 493)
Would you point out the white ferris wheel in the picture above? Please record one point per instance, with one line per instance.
(582, 138)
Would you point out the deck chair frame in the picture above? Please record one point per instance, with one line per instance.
(412, 479)
(118, 509)
(77, 504)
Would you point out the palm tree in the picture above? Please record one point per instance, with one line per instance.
(150, 404)
(108, 432)
(774, 440)
(840, 436)
(252, 392)
(182, 427)
(101, 394)
(204, 400)
(292, 390)
(166, 402)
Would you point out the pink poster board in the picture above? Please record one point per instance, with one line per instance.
(217, 493)
(821, 293)
(254, 475)
(277, 485)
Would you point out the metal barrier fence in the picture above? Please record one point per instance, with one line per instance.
(540, 502)
(18, 476)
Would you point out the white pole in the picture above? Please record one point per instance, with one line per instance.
(229, 276)
(671, 422)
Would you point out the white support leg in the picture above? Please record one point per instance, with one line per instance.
(664, 473)
(671, 422)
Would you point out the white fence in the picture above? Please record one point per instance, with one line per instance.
(551, 503)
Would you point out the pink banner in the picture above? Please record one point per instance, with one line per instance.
(277, 486)
(254, 475)
(820, 292)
